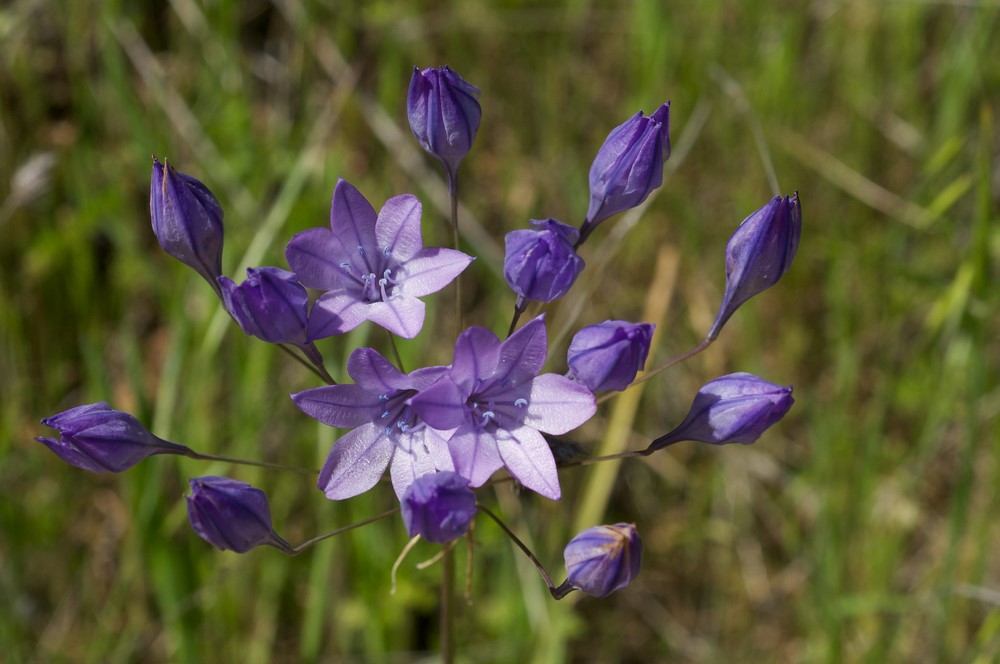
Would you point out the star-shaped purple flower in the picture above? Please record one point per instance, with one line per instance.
(386, 432)
(372, 267)
(499, 407)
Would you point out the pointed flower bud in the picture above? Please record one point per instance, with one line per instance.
(759, 253)
(231, 515)
(102, 440)
(444, 114)
(541, 265)
(607, 356)
(270, 305)
(736, 408)
(603, 559)
(629, 166)
(187, 220)
(438, 506)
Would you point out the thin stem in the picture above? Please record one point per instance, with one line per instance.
(337, 531)
(295, 356)
(453, 191)
(395, 351)
(705, 343)
(524, 549)
(586, 228)
(519, 306)
(447, 603)
(191, 454)
(316, 358)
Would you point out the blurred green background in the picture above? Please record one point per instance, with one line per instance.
(863, 528)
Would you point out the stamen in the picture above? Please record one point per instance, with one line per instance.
(345, 266)
(361, 250)
(385, 414)
(520, 403)
(383, 397)
(385, 252)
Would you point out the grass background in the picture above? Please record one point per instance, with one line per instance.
(862, 528)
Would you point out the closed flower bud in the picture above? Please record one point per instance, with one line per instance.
(444, 114)
(736, 408)
(231, 515)
(102, 440)
(607, 356)
(602, 559)
(759, 253)
(438, 506)
(629, 166)
(541, 265)
(187, 220)
(270, 305)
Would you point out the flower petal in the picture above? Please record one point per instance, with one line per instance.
(433, 269)
(401, 315)
(356, 462)
(398, 227)
(475, 454)
(344, 406)
(522, 355)
(557, 404)
(528, 458)
(335, 312)
(315, 256)
(477, 352)
(352, 219)
(374, 373)
(419, 453)
(442, 405)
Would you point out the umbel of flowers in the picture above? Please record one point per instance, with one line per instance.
(442, 432)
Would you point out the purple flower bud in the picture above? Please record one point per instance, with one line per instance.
(99, 439)
(541, 265)
(629, 166)
(187, 220)
(270, 305)
(603, 559)
(759, 253)
(438, 506)
(607, 356)
(736, 408)
(444, 114)
(231, 515)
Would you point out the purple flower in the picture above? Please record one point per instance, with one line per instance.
(99, 439)
(385, 430)
(736, 408)
(629, 166)
(438, 507)
(759, 253)
(270, 305)
(603, 559)
(372, 268)
(499, 407)
(541, 265)
(607, 356)
(444, 115)
(187, 220)
(231, 515)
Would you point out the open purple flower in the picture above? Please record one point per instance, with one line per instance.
(499, 407)
(759, 253)
(372, 267)
(96, 438)
(736, 408)
(438, 506)
(231, 515)
(187, 220)
(386, 431)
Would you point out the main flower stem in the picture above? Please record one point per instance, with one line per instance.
(337, 531)
(395, 351)
(453, 191)
(447, 605)
(705, 343)
(191, 454)
(317, 369)
(519, 306)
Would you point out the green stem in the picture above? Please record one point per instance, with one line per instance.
(447, 605)
(395, 351)
(191, 454)
(519, 306)
(558, 592)
(453, 191)
(311, 367)
(294, 551)
(705, 343)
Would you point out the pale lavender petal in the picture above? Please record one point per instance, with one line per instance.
(522, 355)
(401, 315)
(427, 376)
(398, 227)
(374, 373)
(356, 462)
(352, 219)
(475, 454)
(477, 352)
(343, 406)
(336, 312)
(433, 269)
(418, 454)
(558, 404)
(315, 256)
(441, 405)
(529, 459)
